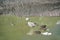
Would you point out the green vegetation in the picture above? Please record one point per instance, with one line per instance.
(15, 28)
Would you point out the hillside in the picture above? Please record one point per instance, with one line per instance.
(15, 28)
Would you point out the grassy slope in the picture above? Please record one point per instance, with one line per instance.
(18, 30)
(9, 31)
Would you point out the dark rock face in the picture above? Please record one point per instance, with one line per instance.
(33, 7)
(1, 13)
(40, 1)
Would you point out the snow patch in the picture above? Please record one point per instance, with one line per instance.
(46, 33)
(27, 19)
